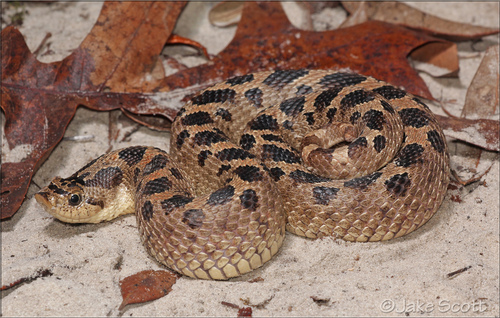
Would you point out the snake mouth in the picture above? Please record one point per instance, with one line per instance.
(43, 199)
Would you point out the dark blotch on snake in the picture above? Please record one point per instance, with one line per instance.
(197, 119)
(271, 137)
(362, 182)
(330, 114)
(355, 98)
(325, 98)
(254, 95)
(137, 172)
(288, 125)
(147, 210)
(249, 200)
(341, 80)
(207, 138)
(214, 96)
(222, 169)
(293, 106)
(309, 118)
(323, 195)
(398, 184)
(238, 80)
(202, 156)
(390, 92)
(158, 185)
(303, 90)
(409, 155)
(280, 78)
(276, 173)
(387, 106)
(229, 154)
(221, 196)
(247, 141)
(180, 138)
(176, 173)
(436, 140)
(158, 162)
(106, 178)
(354, 117)
(264, 122)
(306, 177)
(174, 202)
(278, 154)
(92, 201)
(193, 218)
(379, 143)
(249, 173)
(224, 114)
(414, 117)
(131, 155)
(374, 119)
(57, 190)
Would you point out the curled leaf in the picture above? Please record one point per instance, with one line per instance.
(225, 13)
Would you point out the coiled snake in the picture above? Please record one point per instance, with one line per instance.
(313, 151)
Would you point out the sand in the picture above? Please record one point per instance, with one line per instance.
(327, 277)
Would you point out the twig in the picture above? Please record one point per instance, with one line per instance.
(460, 271)
(42, 44)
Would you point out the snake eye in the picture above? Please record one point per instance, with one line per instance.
(74, 199)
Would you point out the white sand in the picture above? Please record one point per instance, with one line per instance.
(402, 276)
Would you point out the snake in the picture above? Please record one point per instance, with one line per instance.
(313, 152)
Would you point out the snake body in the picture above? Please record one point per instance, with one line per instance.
(315, 152)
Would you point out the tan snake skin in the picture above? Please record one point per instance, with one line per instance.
(259, 153)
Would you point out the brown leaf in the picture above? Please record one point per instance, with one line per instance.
(105, 72)
(404, 15)
(245, 312)
(146, 286)
(266, 40)
(483, 133)
(441, 55)
(481, 100)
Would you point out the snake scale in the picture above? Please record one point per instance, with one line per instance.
(315, 152)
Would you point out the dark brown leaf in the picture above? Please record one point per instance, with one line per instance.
(404, 15)
(265, 40)
(245, 312)
(146, 286)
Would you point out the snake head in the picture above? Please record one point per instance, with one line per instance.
(66, 200)
(71, 200)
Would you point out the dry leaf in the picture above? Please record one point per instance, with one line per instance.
(441, 57)
(265, 40)
(483, 133)
(225, 13)
(146, 286)
(402, 14)
(481, 100)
